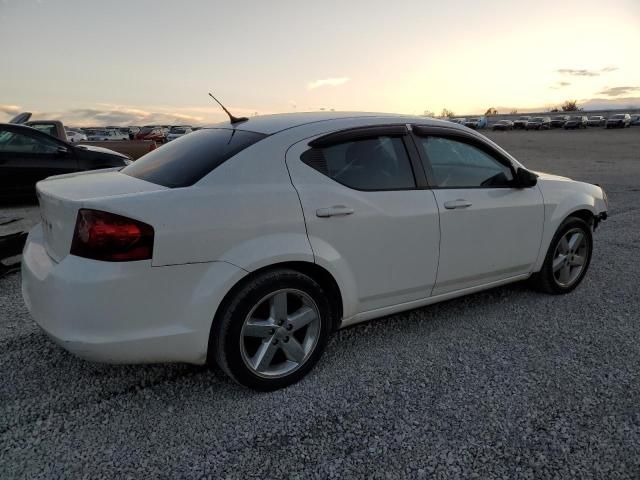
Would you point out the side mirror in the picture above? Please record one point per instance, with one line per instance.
(525, 178)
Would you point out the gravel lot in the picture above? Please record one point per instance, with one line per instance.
(507, 383)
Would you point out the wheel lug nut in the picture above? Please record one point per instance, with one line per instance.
(286, 339)
(275, 342)
(272, 331)
(289, 327)
(280, 322)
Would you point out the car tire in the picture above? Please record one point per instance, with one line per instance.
(264, 359)
(566, 276)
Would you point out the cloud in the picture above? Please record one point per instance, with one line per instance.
(328, 82)
(10, 109)
(560, 85)
(617, 91)
(610, 103)
(583, 72)
(104, 114)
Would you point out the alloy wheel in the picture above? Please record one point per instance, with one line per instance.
(280, 333)
(570, 257)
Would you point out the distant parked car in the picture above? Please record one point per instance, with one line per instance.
(476, 123)
(28, 155)
(107, 135)
(151, 132)
(459, 121)
(635, 120)
(75, 135)
(521, 123)
(177, 132)
(596, 121)
(539, 123)
(559, 120)
(619, 120)
(579, 121)
(502, 125)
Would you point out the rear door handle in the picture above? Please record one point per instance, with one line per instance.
(335, 211)
(459, 203)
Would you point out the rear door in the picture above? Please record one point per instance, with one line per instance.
(28, 156)
(365, 215)
(490, 231)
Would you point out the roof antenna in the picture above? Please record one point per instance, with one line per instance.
(232, 119)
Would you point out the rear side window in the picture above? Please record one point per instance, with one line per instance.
(378, 163)
(184, 161)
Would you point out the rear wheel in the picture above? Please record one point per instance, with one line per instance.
(272, 331)
(567, 259)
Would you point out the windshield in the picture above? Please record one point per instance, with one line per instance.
(537, 119)
(524, 118)
(99, 132)
(178, 130)
(619, 115)
(576, 118)
(182, 162)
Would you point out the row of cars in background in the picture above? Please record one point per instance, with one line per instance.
(156, 133)
(526, 122)
(619, 120)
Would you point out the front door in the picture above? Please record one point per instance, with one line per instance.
(490, 230)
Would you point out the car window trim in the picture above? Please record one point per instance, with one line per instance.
(363, 133)
(423, 131)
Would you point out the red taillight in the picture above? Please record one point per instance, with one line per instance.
(112, 238)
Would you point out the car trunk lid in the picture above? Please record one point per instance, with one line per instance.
(61, 197)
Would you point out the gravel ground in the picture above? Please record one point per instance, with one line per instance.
(503, 384)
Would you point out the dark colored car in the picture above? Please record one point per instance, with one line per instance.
(559, 121)
(579, 121)
(539, 123)
(151, 132)
(521, 122)
(619, 120)
(28, 156)
(502, 125)
(635, 120)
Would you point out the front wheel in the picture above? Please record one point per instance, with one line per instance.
(567, 259)
(272, 331)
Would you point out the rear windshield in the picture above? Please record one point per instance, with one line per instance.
(184, 161)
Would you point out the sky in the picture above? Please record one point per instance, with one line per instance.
(137, 62)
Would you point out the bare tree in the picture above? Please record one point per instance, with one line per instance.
(514, 112)
(570, 106)
(428, 113)
(491, 111)
(446, 113)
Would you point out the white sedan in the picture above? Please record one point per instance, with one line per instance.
(107, 135)
(177, 132)
(75, 136)
(247, 244)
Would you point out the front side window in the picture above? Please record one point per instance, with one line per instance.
(377, 163)
(457, 164)
(19, 143)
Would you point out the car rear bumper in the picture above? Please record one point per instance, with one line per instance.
(127, 312)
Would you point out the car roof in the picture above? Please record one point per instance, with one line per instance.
(270, 124)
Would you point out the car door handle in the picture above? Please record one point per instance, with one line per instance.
(459, 203)
(335, 211)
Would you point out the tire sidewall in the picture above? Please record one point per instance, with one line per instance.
(228, 328)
